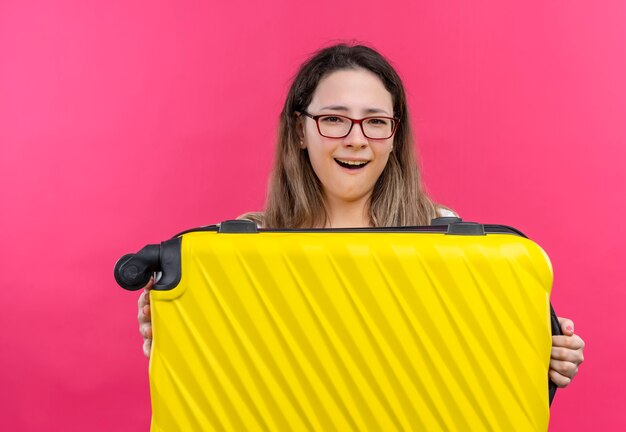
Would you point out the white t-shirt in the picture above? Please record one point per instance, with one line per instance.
(446, 213)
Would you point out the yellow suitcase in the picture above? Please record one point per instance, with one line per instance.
(397, 329)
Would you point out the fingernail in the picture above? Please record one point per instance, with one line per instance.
(570, 328)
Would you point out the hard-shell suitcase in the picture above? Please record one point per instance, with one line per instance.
(416, 328)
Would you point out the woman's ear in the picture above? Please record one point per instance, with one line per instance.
(300, 130)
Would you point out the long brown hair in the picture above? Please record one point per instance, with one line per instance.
(295, 198)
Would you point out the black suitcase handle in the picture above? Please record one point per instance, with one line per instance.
(133, 271)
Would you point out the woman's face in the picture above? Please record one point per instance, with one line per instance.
(348, 167)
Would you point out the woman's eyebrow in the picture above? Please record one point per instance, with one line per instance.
(335, 108)
(376, 111)
(344, 108)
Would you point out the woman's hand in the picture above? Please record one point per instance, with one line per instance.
(145, 322)
(567, 354)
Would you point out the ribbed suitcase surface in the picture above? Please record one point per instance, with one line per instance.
(321, 331)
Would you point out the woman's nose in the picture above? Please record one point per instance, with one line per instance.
(356, 138)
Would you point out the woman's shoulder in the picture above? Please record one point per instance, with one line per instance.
(256, 217)
(446, 212)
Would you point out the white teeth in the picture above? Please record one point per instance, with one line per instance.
(352, 162)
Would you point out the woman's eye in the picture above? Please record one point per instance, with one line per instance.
(332, 119)
(378, 122)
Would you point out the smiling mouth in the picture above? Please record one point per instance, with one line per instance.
(351, 164)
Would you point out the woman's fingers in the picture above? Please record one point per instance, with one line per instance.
(143, 301)
(146, 330)
(568, 348)
(147, 288)
(558, 379)
(147, 347)
(566, 355)
(565, 368)
(570, 342)
(143, 316)
(567, 326)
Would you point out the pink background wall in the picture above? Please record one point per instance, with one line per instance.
(123, 122)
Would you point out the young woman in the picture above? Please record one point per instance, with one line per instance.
(345, 158)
